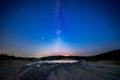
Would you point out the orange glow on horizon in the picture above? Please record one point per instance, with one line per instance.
(66, 55)
(58, 54)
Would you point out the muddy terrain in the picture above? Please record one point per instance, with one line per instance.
(43, 70)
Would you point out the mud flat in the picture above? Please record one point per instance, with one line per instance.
(56, 70)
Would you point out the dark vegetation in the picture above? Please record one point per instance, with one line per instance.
(12, 57)
(112, 55)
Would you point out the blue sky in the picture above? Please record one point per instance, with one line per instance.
(87, 26)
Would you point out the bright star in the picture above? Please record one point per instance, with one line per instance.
(42, 38)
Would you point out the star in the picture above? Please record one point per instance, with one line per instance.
(42, 38)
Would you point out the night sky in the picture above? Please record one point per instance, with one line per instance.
(56, 27)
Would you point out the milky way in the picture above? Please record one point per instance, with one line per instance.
(84, 27)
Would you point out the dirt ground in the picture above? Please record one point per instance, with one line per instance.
(82, 70)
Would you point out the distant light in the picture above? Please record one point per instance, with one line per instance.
(66, 55)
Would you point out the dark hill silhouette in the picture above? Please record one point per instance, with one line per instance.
(111, 55)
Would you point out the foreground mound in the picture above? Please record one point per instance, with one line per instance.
(80, 70)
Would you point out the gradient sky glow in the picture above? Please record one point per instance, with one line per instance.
(88, 27)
